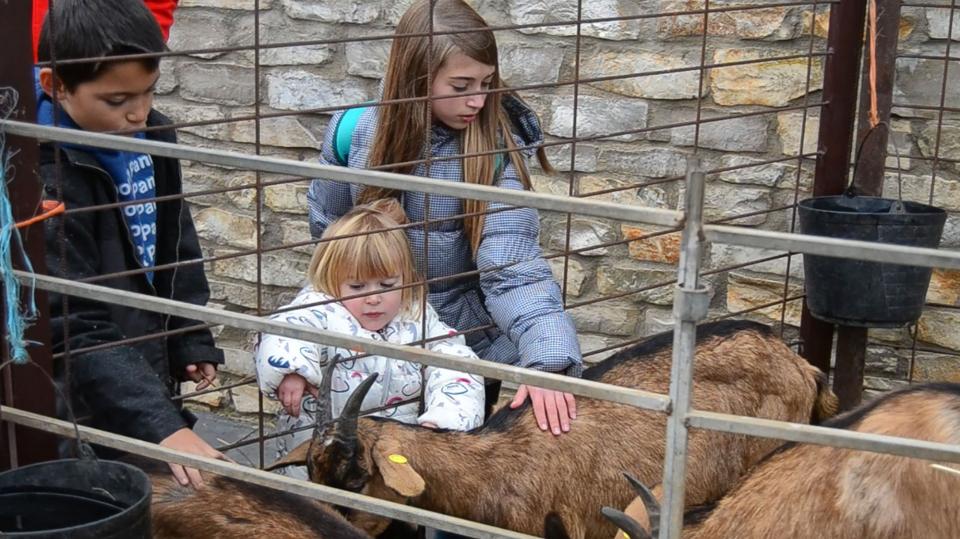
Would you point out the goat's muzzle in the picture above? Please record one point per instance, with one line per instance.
(335, 453)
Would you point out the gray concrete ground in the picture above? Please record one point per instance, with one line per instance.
(219, 431)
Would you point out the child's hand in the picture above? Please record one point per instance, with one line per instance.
(290, 392)
(204, 374)
(187, 441)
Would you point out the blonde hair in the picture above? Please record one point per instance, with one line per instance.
(402, 126)
(375, 248)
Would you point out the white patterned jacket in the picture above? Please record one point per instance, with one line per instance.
(452, 399)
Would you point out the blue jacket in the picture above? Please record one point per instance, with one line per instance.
(522, 303)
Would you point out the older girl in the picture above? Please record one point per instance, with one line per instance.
(511, 312)
(367, 270)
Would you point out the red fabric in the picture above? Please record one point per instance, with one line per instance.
(162, 10)
(39, 11)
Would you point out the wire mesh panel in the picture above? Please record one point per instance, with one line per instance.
(625, 93)
(924, 120)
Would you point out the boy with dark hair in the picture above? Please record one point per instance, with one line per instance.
(125, 388)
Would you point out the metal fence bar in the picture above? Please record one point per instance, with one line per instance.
(820, 245)
(375, 178)
(859, 250)
(590, 138)
(810, 434)
(259, 477)
(587, 388)
(689, 306)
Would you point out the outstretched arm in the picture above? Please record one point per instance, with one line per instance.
(525, 302)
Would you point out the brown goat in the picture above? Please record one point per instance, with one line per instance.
(509, 473)
(229, 509)
(804, 491)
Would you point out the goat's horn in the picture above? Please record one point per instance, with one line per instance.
(347, 433)
(649, 502)
(626, 524)
(324, 413)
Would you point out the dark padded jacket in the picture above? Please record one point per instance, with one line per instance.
(124, 389)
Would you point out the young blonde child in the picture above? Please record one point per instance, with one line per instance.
(504, 297)
(363, 273)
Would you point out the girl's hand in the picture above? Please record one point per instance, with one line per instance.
(187, 441)
(204, 374)
(290, 392)
(553, 409)
(429, 425)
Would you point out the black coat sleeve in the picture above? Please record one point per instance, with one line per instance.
(187, 283)
(117, 384)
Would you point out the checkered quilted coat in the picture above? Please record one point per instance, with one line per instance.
(520, 305)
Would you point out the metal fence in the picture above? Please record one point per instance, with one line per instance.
(837, 107)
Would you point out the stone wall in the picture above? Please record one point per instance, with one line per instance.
(211, 85)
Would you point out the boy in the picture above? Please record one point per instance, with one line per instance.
(124, 388)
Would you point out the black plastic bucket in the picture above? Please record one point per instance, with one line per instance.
(860, 293)
(75, 498)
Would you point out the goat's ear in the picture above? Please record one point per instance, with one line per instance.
(297, 457)
(397, 472)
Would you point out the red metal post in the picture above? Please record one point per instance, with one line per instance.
(30, 389)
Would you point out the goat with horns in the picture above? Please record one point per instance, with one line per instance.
(508, 473)
(803, 491)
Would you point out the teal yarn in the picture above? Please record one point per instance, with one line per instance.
(17, 319)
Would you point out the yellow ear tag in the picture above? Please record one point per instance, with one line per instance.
(397, 459)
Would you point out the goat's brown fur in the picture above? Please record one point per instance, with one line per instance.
(229, 509)
(510, 474)
(806, 491)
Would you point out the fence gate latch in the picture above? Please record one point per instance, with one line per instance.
(691, 305)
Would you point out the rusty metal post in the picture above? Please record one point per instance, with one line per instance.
(841, 70)
(30, 389)
(871, 161)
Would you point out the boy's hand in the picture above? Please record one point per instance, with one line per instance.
(204, 374)
(553, 409)
(290, 392)
(187, 441)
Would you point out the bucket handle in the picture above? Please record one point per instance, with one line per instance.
(84, 451)
(851, 190)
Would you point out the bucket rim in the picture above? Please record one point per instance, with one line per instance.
(137, 505)
(924, 209)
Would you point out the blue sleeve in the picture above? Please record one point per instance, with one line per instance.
(327, 200)
(523, 299)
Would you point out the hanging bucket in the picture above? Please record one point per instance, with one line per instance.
(860, 293)
(75, 498)
(83, 498)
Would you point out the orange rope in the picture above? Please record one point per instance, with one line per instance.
(874, 114)
(50, 208)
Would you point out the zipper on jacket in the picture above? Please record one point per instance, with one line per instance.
(123, 219)
(387, 376)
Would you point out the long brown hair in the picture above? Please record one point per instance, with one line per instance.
(402, 126)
